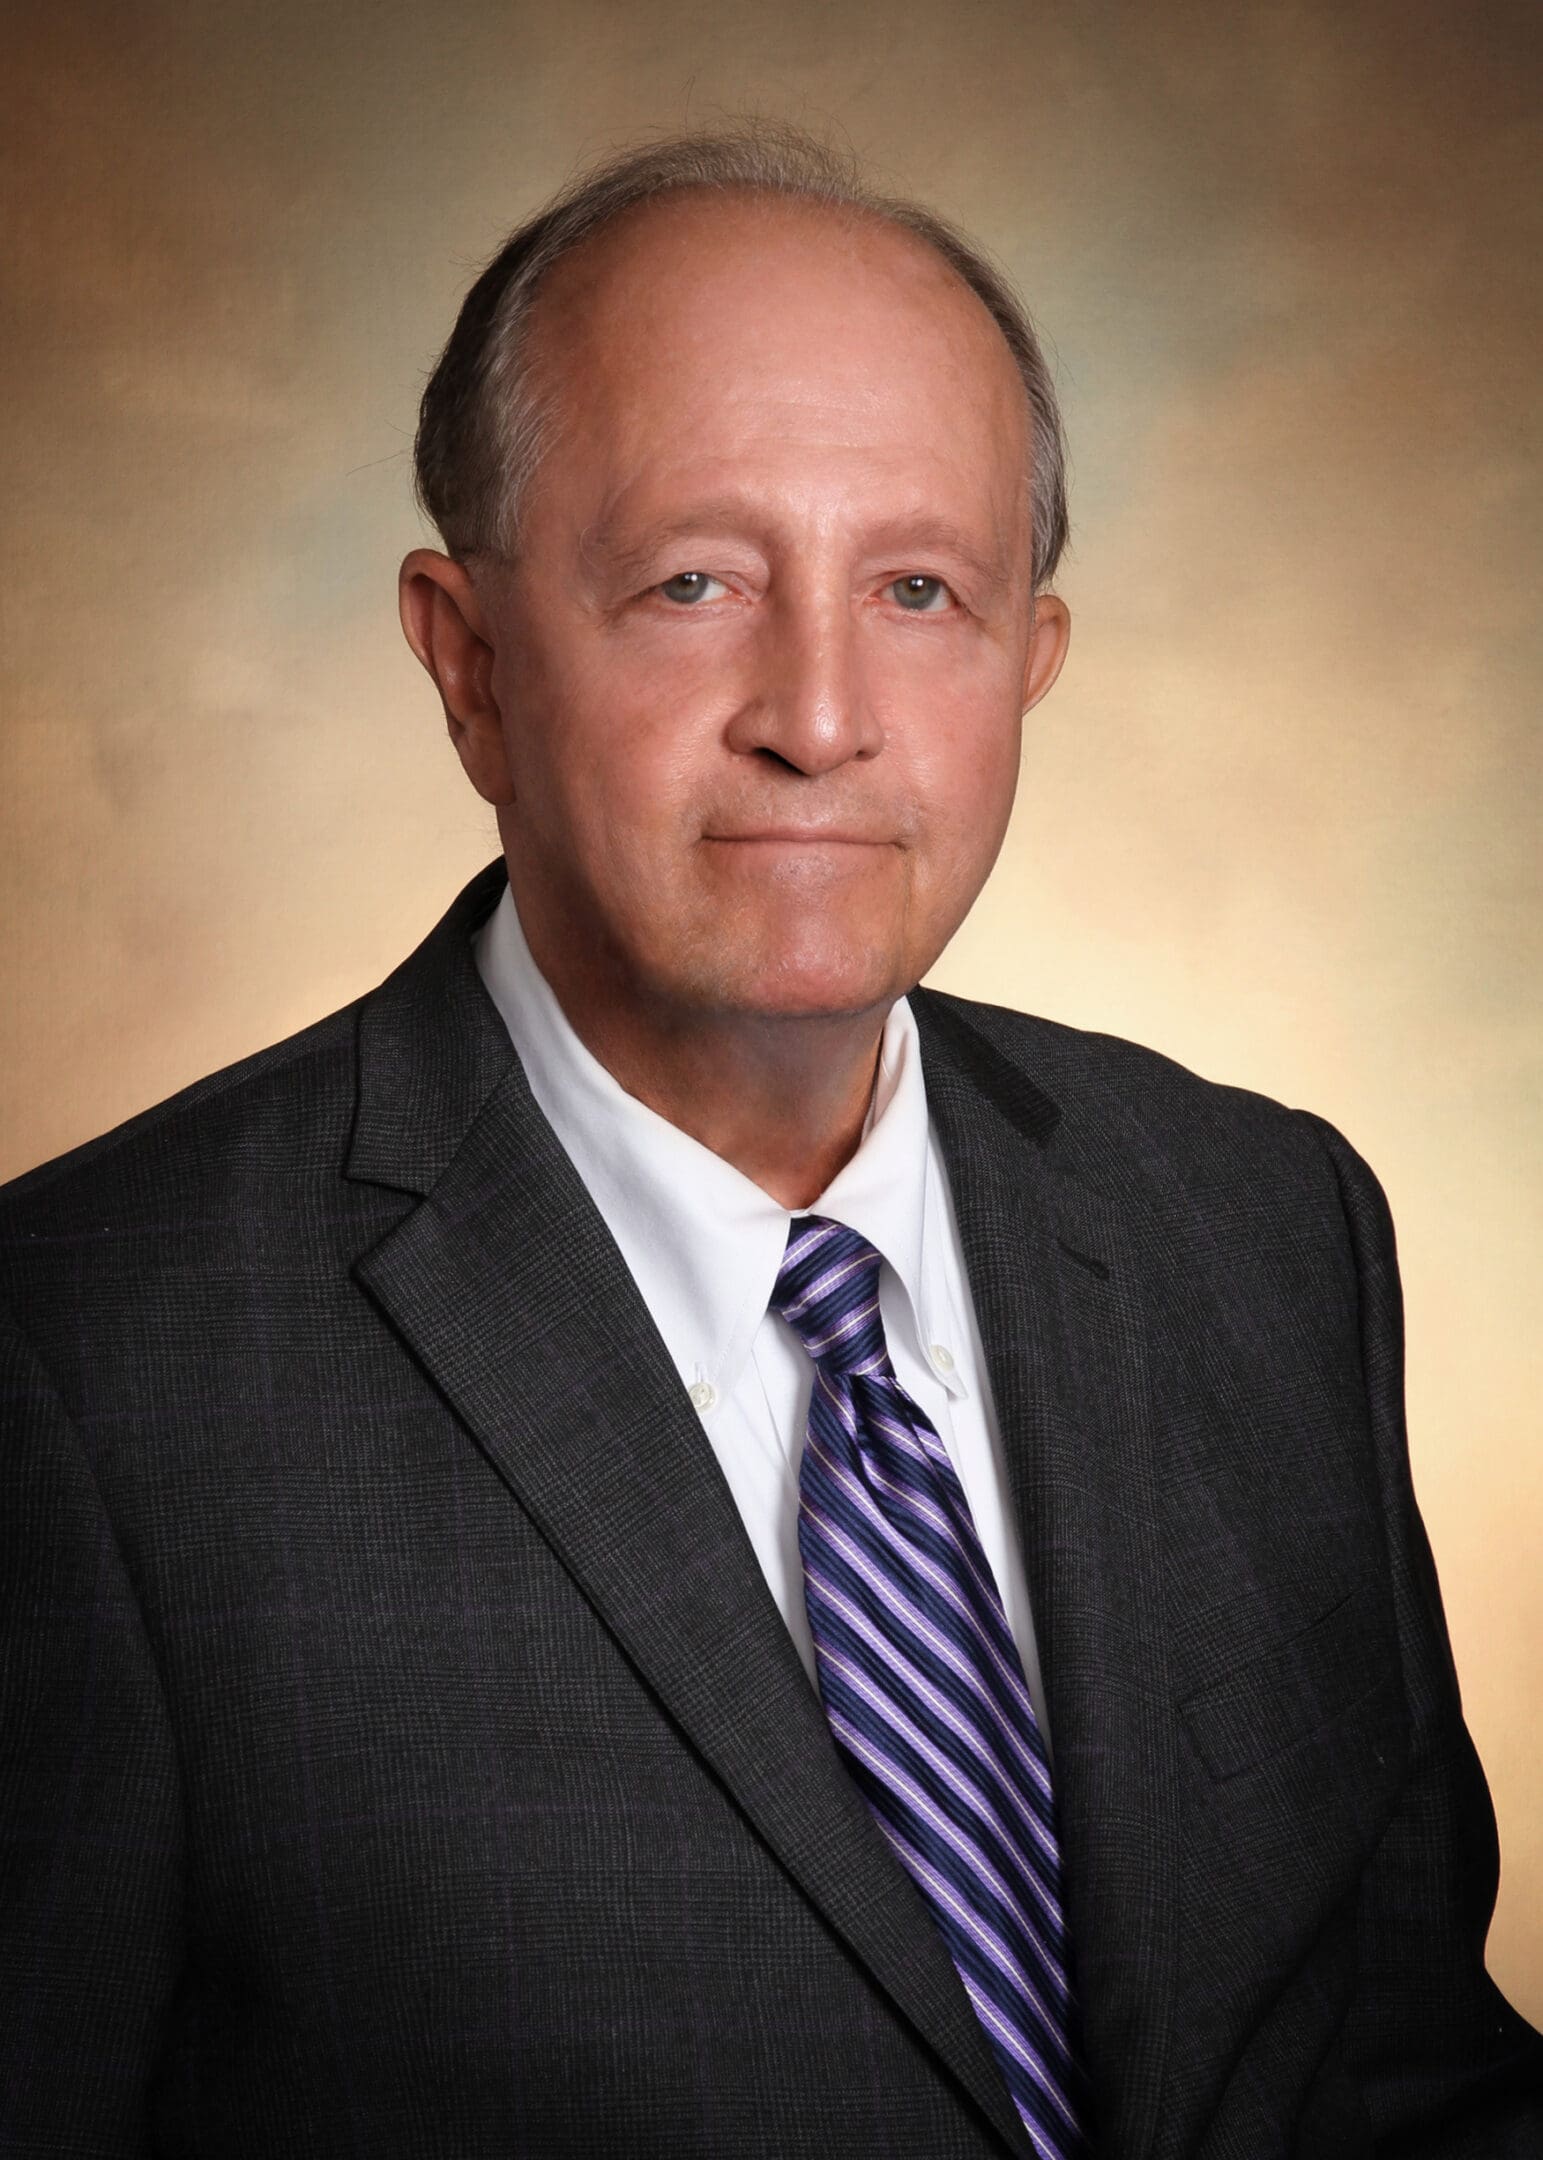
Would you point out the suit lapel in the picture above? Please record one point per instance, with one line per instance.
(507, 1286)
(1051, 1271)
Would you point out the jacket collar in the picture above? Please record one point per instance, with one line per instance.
(432, 1050)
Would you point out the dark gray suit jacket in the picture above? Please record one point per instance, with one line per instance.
(403, 1754)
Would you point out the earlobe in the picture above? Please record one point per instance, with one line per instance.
(446, 624)
(1048, 642)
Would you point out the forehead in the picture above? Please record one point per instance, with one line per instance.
(717, 327)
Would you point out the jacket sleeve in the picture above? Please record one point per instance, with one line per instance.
(1447, 2068)
(91, 1832)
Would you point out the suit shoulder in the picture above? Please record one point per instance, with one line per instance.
(1117, 1097)
(251, 1116)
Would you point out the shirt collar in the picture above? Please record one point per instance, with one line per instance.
(702, 1241)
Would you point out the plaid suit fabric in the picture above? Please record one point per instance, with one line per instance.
(402, 1755)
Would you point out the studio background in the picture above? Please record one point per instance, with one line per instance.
(1281, 817)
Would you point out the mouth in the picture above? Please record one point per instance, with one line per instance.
(796, 836)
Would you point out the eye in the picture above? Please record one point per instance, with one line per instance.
(920, 595)
(687, 587)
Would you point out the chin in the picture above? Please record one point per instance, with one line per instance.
(802, 966)
(798, 987)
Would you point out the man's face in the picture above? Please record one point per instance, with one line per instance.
(760, 663)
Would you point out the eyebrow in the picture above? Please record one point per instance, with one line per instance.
(631, 553)
(930, 534)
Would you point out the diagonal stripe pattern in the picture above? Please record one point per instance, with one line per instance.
(922, 1683)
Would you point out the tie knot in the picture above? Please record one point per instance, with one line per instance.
(828, 1293)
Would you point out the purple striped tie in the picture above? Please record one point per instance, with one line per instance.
(922, 1682)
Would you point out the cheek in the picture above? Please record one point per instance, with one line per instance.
(956, 727)
(601, 749)
(651, 745)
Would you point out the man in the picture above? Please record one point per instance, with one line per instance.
(654, 1542)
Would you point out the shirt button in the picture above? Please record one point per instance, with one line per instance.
(942, 1357)
(703, 1395)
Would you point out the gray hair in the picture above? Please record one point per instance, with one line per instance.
(480, 427)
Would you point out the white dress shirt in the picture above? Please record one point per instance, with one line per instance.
(704, 1244)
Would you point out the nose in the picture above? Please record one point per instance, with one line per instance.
(810, 706)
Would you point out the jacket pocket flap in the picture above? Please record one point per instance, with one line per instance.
(1286, 1693)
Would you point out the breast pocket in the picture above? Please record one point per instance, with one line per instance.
(1344, 1662)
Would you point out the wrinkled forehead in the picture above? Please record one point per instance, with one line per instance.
(740, 321)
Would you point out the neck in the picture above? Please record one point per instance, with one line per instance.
(783, 1100)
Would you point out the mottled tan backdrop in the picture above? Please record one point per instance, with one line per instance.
(1281, 817)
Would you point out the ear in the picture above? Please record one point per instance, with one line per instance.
(1048, 640)
(446, 625)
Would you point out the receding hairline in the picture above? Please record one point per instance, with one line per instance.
(772, 204)
(555, 292)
